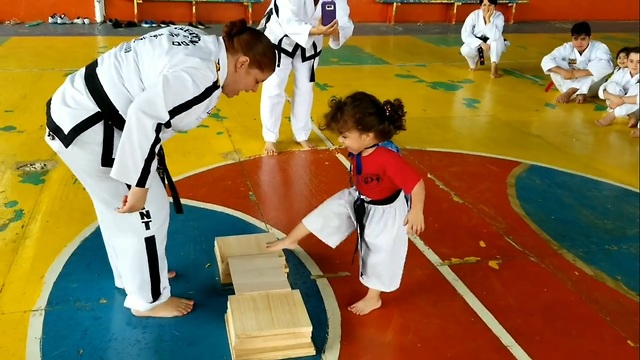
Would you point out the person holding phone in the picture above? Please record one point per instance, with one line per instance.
(297, 28)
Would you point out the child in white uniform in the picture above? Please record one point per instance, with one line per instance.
(482, 36)
(579, 67)
(621, 59)
(623, 83)
(375, 206)
(107, 123)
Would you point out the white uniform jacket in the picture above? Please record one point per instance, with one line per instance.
(474, 28)
(288, 22)
(596, 58)
(139, 94)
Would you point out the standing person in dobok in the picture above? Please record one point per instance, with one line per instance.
(108, 120)
(295, 27)
(482, 37)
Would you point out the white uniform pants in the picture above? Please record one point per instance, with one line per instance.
(586, 85)
(135, 242)
(615, 89)
(384, 253)
(498, 47)
(273, 98)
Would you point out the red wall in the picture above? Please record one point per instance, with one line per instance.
(361, 10)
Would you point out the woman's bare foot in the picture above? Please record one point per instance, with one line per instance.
(173, 307)
(566, 96)
(633, 120)
(270, 148)
(581, 99)
(635, 133)
(286, 243)
(494, 71)
(367, 304)
(306, 144)
(607, 120)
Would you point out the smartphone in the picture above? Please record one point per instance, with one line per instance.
(328, 12)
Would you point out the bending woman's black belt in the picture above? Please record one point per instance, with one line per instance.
(112, 120)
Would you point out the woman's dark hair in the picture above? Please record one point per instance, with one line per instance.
(239, 38)
(492, 2)
(365, 113)
(624, 50)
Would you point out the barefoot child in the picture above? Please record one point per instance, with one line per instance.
(579, 67)
(622, 84)
(375, 206)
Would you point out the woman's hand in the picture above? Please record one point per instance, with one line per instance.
(324, 30)
(489, 14)
(133, 202)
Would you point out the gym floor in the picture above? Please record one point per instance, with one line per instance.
(532, 211)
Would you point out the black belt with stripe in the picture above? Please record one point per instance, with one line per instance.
(296, 47)
(360, 211)
(112, 119)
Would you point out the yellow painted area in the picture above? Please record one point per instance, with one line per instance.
(514, 118)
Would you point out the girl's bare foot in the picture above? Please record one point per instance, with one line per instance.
(367, 304)
(270, 148)
(581, 99)
(607, 120)
(286, 243)
(496, 75)
(173, 307)
(306, 144)
(635, 133)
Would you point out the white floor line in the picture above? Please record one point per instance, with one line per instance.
(493, 324)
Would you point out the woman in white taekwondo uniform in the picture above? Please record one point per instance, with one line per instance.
(482, 35)
(578, 68)
(107, 123)
(296, 29)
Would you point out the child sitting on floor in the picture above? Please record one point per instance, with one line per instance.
(621, 59)
(375, 206)
(622, 84)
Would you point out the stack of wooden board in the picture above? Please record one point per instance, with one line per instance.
(265, 318)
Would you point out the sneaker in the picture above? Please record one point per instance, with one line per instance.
(86, 21)
(78, 20)
(53, 19)
(63, 19)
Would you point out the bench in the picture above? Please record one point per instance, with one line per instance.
(391, 13)
(247, 3)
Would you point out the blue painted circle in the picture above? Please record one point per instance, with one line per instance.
(597, 222)
(85, 318)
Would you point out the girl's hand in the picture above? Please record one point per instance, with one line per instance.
(134, 201)
(414, 222)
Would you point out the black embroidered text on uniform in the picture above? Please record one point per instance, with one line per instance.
(145, 218)
(371, 180)
(190, 37)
